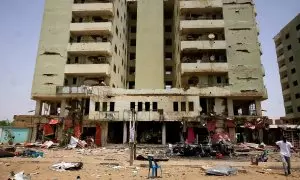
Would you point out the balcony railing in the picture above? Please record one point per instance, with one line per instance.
(91, 28)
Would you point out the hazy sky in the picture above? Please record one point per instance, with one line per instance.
(19, 34)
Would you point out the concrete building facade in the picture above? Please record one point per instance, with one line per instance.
(172, 61)
(287, 43)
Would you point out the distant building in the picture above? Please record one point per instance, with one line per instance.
(287, 43)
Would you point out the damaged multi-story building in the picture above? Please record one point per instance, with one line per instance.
(287, 43)
(169, 63)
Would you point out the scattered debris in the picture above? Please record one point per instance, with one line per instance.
(4, 154)
(6, 164)
(74, 142)
(221, 171)
(19, 176)
(156, 158)
(110, 164)
(10, 149)
(63, 166)
(47, 144)
(35, 173)
(32, 153)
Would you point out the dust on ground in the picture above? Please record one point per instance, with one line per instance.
(112, 163)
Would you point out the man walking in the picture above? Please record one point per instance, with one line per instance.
(285, 152)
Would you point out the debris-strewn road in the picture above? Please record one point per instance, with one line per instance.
(108, 164)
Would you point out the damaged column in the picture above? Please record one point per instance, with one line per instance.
(258, 108)
(63, 105)
(61, 115)
(163, 134)
(124, 132)
(38, 107)
(230, 107)
(259, 113)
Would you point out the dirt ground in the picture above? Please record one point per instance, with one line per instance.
(112, 163)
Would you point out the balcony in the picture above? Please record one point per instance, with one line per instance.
(265, 93)
(193, 45)
(90, 48)
(286, 91)
(204, 68)
(288, 103)
(87, 69)
(280, 58)
(280, 47)
(99, 8)
(283, 68)
(91, 28)
(284, 80)
(188, 4)
(186, 25)
(263, 70)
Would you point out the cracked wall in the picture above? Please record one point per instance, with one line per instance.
(52, 52)
(243, 49)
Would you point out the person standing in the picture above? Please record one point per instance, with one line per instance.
(285, 152)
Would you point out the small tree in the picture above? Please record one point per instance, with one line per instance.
(9, 136)
(5, 123)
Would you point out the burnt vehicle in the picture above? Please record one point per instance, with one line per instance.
(217, 143)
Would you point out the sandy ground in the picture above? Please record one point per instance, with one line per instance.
(112, 163)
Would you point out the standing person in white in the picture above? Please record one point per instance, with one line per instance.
(285, 152)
